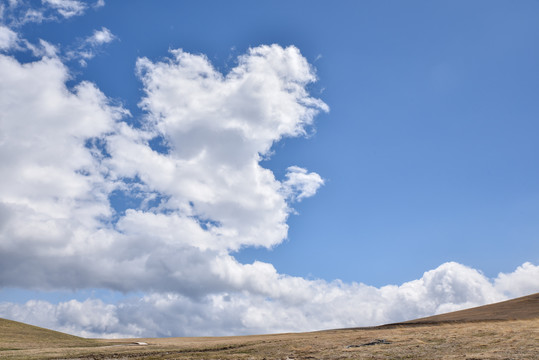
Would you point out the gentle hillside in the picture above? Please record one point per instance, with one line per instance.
(18, 336)
(523, 308)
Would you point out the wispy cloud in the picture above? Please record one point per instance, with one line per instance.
(67, 8)
(43, 48)
(8, 38)
(16, 13)
(91, 46)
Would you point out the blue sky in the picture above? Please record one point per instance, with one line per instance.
(413, 122)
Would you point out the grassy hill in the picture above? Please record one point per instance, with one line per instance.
(522, 308)
(19, 336)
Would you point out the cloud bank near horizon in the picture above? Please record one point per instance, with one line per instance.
(192, 175)
(313, 305)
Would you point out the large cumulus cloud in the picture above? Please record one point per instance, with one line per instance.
(53, 191)
(66, 152)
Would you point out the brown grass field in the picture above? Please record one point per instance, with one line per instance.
(507, 330)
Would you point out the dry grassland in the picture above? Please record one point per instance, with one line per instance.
(513, 339)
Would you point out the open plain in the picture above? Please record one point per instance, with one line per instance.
(507, 330)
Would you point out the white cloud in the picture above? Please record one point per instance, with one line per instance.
(65, 152)
(18, 13)
(302, 305)
(67, 8)
(520, 282)
(10, 41)
(300, 184)
(34, 16)
(89, 318)
(43, 49)
(91, 46)
(101, 37)
(217, 128)
(8, 38)
(52, 189)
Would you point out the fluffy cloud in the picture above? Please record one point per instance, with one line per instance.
(66, 153)
(307, 305)
(52, 190)
(300, 184)
(88, 318)
(216, 130)
(521, 282)
(100, 37)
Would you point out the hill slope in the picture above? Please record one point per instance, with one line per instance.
(18, 336)
(522, 308)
